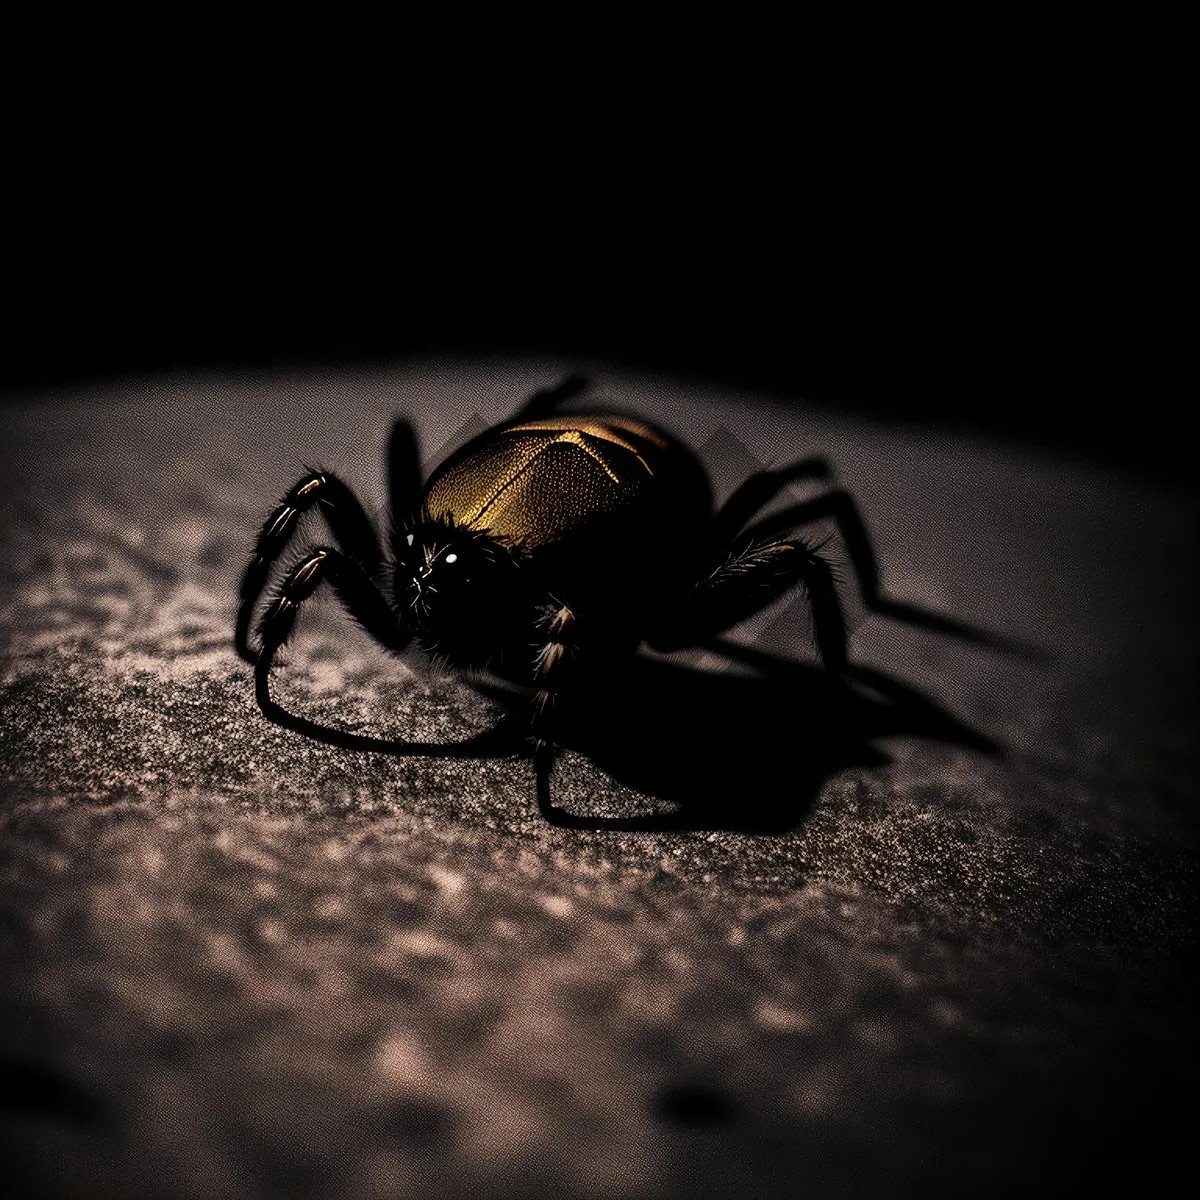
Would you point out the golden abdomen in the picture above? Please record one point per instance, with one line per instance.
(533, 482)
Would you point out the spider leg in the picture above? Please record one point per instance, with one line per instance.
(404, 472)
(362, 599)
(757, 491)
(368, 606)
(347, 521)
(554, 665)
(749, 579)
(545, 402)
(840, 507)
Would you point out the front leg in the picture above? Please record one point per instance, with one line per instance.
(367, 605)
(348, 523)
(354, 588)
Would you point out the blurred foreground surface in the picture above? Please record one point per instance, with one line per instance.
(870, 960)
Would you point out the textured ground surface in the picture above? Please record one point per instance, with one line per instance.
(873, 957)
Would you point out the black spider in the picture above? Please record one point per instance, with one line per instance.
(548, 542)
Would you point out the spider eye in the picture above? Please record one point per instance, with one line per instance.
(409, 539)
(450, 558)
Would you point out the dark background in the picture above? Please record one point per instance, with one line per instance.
(939, 223)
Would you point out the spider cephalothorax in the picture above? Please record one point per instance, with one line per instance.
(553, 542)
(462, 591)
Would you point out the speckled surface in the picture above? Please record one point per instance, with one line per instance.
(873, 957)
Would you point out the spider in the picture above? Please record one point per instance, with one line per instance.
(548, 544)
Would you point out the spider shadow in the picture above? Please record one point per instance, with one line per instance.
(710, 750)
(735, 752)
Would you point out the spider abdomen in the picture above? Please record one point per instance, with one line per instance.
(533, 483)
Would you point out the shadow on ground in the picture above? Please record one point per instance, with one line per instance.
(741, 753)
(711, 750)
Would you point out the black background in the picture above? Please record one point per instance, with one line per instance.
(934, 223)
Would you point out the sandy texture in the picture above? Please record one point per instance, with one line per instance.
(873, 956)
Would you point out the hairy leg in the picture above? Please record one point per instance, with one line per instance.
(749, 579)
(347, 522)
